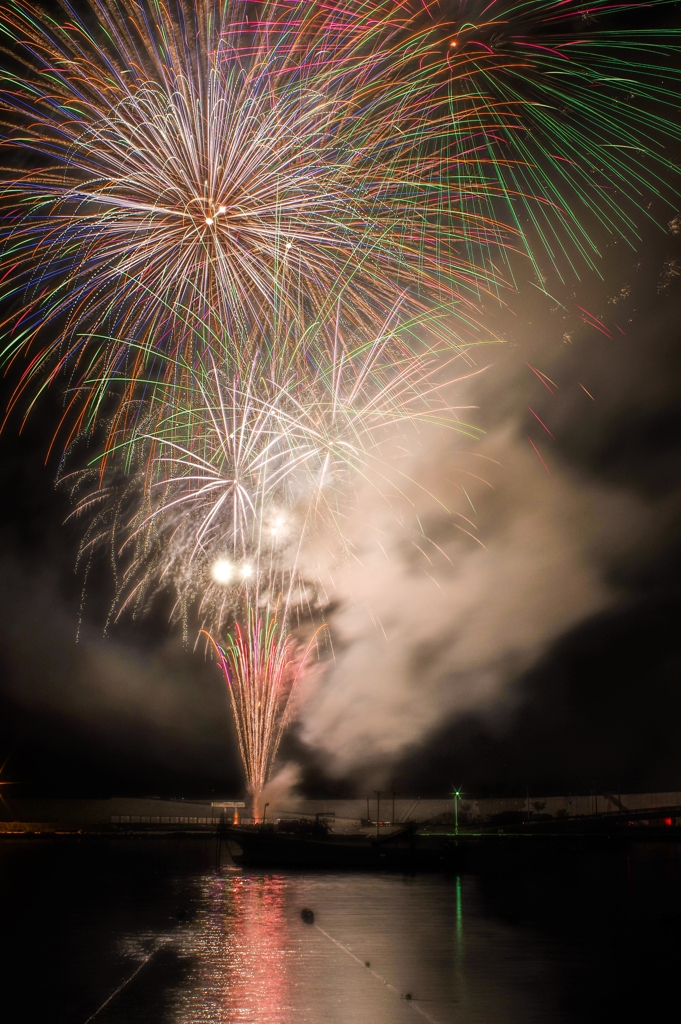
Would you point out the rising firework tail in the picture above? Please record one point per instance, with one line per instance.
(262, 664)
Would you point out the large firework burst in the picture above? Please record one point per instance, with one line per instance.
(194, 179)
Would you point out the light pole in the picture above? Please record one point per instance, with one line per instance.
(378, 810)
(456, 794)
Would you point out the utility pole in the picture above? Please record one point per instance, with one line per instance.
(378, 809)
(456, 794)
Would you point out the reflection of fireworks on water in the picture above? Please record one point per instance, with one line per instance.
(239, 954)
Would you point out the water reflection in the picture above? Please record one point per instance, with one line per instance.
(382, 949)
(238, 951)
(255, 960)
(149, 933)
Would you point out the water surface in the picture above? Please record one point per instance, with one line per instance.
(149, 931)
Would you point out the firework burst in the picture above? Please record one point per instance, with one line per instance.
(194, 180)
(247, 471)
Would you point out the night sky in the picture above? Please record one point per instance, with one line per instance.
(592, 701)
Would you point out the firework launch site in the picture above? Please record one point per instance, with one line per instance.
(595, 813)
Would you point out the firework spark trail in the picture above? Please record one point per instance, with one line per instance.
(261, 664)
(190, 173)
(344, 364)
(243, 473)
(228, 491)
(577, 103)
(255, 160)
(237, 165)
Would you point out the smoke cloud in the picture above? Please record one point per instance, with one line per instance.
(436, 615)
(163, 706)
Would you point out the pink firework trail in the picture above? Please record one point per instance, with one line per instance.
(262, 664)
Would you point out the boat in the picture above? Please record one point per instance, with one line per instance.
(313, 844)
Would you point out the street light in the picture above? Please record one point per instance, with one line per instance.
(456, 794)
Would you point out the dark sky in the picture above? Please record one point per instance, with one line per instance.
(595, 705)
